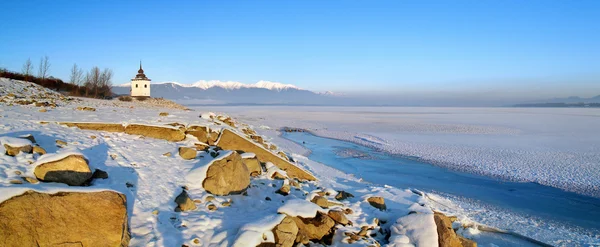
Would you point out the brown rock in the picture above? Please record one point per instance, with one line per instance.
(377, 202)
(446, 235)
(30, 180)
(257, 138)
(321, 201)
(184, 203)
(343, 195)
(61, 143)
(227, 176)
(108, 127)
(253, 166)
(163, 114)
(213, 136)
(285, 232)
(169, 134)
(284, 190)
(283, 155)
(99, 174)
(200, 132)
(85, 108)
(43, 110)
(467, 242)
(65, 219)
(167, 154)
(39, 150)
(232, 141)
(315, 228)
(72, 170)
(15, 181)
(338, 216)
(13, 151)
(187, 153)
(29, 137)
(211, 207)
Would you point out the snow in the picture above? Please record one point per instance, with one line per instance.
(248, 155)
(302, 208)
(14, 142)
(420, 229)
(9, 192)
(156, 180)
(251, 234)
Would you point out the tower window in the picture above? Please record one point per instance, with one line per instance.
(136, 85)
(146, 86)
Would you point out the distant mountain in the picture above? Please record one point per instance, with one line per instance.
(568, 100)
(230, 92)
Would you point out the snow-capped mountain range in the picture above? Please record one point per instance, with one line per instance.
(233, 92)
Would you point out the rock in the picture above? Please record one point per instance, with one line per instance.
(321, 201)
(257, 138)
(85, 108)
(284, 190)
(108, 127)
(211, 207)
(213, 137)
(209, 198)
(226, 204)
(163, 114)
(446, 235)
(338, 216)
(43, 110)
(227, 176)
(99, 174)
(184, 203)
(200, 132)
(167, 154)
(343, 195)
(273, 147)
(61, 143)
(283, 155)
(285, 232)
(72, 170)
(30, 180)
(315, 228)
(157, 132)
(232, 141)
(15, 181)
(364, 231)
(467, 242)
(113, 156)
(187, 153)
(377, 202)
(29, 137)
(65, 219)
(253, 166)
(92, 137)
(39, 150)
(13, 151)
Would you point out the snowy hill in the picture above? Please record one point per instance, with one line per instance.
(231, 92)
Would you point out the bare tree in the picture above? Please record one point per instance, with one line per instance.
(27, 69)
(44, 68)
(106, 82)
(92, 82)
(76, 75)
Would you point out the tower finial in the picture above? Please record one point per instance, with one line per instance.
(140, 64)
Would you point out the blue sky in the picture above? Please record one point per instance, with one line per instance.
(546, 48)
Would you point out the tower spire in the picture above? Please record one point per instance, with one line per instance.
(140, 64)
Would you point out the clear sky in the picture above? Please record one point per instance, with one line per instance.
(506, 47)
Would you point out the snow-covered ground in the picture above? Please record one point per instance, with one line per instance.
(558, 147)
(137, 168)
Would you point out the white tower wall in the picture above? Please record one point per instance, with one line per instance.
(140, 88)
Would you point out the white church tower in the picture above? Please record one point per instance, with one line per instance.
(140, 85)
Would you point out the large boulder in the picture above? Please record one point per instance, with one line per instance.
(446, 235)
(227, 175)
(315, 229)
(232, 141)
(72, 170)
(64, 219)
(253, 165)
(158, 132)
(15, 150)
(14, 146)
(200, 132)
(285, 233)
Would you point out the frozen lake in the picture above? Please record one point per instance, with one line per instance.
(542, 202)
(558, 147)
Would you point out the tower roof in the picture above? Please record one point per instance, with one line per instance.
(140, 75)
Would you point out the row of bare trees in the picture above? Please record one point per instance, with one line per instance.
(95, 83)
